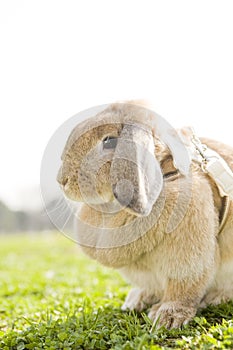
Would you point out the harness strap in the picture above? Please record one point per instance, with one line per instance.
(216, 167)
(224, 213)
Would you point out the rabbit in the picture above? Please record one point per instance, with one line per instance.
(150, 212)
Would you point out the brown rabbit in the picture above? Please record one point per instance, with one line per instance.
(150, 212)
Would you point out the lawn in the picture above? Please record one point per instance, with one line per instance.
(53, 297)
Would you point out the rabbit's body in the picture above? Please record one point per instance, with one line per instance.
(180, 262)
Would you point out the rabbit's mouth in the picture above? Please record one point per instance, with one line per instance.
(87, 194)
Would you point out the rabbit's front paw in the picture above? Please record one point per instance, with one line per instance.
(216, 297)
(138, 299)
(171, 314)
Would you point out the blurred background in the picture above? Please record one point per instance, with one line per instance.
(61, 57)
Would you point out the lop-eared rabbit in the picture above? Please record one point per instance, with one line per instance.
(150, 211)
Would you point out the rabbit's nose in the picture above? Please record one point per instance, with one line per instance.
(61, 179)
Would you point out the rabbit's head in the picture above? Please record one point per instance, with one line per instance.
(115, 157)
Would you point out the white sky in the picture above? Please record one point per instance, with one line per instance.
(60, 57)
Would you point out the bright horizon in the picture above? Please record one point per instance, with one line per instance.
(59, 58)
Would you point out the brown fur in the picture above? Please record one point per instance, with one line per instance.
(175, 272)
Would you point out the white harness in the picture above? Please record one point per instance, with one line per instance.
(216, 167)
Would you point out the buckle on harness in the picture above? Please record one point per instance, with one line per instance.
(215, 166)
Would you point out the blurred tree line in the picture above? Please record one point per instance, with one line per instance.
(16, 221)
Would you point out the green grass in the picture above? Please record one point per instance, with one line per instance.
(52, 297)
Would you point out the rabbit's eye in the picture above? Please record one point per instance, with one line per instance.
(109, 142)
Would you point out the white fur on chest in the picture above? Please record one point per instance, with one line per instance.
(147, 273)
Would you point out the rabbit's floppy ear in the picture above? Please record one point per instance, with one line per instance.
(135, 173)
(176, 142)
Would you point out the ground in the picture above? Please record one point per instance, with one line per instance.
(53, 297)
